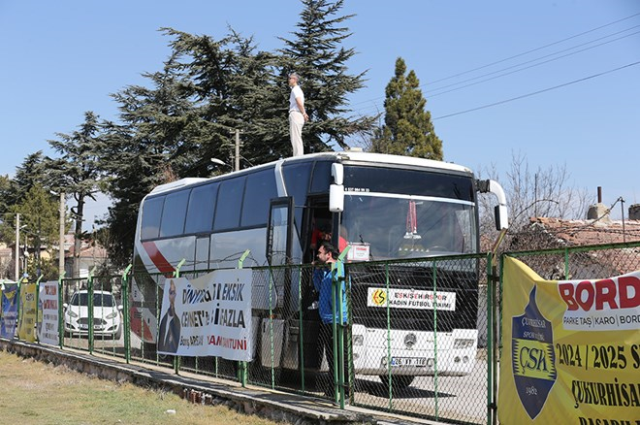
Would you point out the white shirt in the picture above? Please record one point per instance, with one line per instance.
(296, 93)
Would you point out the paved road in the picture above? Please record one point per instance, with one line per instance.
(462, 398)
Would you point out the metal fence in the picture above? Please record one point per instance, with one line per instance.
(419, 338)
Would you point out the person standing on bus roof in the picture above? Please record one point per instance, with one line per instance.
(297, 114)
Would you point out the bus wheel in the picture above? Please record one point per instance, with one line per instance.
(398, 382)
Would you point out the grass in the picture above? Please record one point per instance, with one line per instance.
(36, 393)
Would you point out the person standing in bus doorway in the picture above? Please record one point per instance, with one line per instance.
(169, 333)
(323, 283)
(297, 114)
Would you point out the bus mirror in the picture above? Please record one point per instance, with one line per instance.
(336, 198)
(500, 212)
(501, 219)
(337, 171)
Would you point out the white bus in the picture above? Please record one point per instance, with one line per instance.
(386, 207)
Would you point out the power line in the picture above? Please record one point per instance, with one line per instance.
(536, 92)
(374, 100)
(534, 64)
(536, 49)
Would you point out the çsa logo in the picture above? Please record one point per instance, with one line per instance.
(533, 357)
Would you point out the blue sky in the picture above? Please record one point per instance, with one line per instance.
(579, 109)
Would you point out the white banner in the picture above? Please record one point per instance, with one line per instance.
(411, 299)
(602, 305)
(48, 313)
(208, 316)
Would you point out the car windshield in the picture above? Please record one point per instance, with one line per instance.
(99, 299)
(387, 227)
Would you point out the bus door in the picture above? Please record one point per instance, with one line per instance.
(277, 282)
(279, 231)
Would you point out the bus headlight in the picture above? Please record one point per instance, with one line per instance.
(459, 344)
(410, 340)
(358, 340)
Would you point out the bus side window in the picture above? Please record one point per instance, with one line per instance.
(174, 214)
(202, 203)
(296, 177)
(229, 204)
(151, 215)
(261, 188)
(321, 177)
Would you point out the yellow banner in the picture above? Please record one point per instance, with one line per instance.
(27, 316)
(571, 349)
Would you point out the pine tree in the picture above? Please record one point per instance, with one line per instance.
(317, 56)
(31, 173)
(158, 137)
(77, 172)
(235, 89)
(407, 128)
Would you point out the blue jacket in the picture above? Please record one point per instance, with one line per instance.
(322, 282)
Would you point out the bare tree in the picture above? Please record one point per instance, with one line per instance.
(540, 193)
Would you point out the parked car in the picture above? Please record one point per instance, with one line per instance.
(107, 318)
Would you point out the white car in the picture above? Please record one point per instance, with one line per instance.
(106, 314)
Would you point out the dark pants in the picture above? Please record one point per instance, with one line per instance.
(325, 345)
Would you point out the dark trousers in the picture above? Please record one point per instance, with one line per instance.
(325, 343)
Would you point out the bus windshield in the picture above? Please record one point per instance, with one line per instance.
(382, 226)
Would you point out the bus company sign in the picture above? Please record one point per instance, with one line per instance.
(411, 299)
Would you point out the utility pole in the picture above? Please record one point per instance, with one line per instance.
(17, 248)
(237, 157)
(61, 241)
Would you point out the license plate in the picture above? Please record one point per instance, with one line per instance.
(83, 326)
(408, 361)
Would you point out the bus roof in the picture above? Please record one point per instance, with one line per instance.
(380, 158)
(350, 156)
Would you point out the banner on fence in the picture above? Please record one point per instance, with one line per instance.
(27, 313)
(207, 316)
(9, 310)
(571, 349)
(48, 313)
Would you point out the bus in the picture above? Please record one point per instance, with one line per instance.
(386, 207)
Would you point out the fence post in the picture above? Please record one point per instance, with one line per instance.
(90, 302)
(126, 319)
(60, 312)
(35, 324)
(338, 279)
(176, 359)
(301, 331)
(494, 281)
(242, 371)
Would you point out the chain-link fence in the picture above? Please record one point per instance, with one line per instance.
(416, 336)
(420, 330)
(93, 314)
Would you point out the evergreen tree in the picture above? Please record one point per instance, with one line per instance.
(31, 173)
(77, 171)
(6, 185)
(234, 89)
(315, 54)
(39, 223)
(407, 128)
(158, 141)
